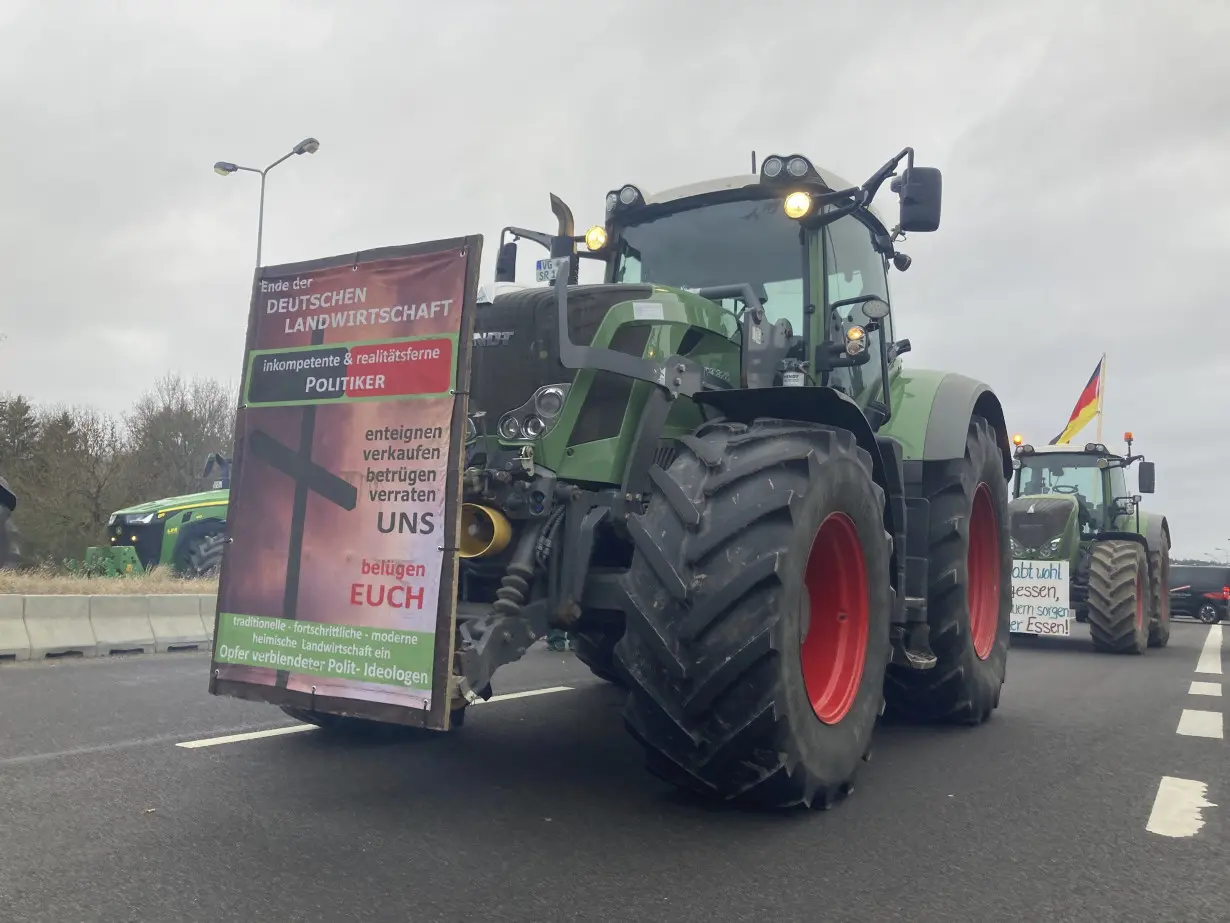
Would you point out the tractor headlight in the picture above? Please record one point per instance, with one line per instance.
(772, 167)
(797, 205)
(537, 416)
(549, 401)
(595, 238)
(797, 167)
(1017, 547)
(1051, 548)
(856, 340)
(139, 519)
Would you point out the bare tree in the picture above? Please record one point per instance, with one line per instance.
(172, 429)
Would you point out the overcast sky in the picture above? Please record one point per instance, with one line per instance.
(1084, 148)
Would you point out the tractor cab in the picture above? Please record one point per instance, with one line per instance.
(795, 249)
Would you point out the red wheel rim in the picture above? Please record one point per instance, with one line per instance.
(834, 648)
(982, 570)
(1140, 604)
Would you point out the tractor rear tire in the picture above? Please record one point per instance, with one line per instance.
(969, 597)
(203, 556)
(1118, 587)
(1159, 609)
(758, 627)
(597, 651)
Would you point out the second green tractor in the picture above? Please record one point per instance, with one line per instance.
(1071, 504)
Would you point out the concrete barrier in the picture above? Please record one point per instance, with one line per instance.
(59, 625)
(209, 613)
(37, 627)
(176, 621)
(14, 639)
(121, 624)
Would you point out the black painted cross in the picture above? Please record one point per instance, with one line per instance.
(308, 477)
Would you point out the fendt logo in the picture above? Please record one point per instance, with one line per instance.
(493, 338)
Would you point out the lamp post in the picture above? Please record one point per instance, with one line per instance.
(225, 168)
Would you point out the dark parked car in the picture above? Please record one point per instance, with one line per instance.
(1200, 591)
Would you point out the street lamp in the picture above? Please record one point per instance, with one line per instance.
(226, 168)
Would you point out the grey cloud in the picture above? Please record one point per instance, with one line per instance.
(1081, 144)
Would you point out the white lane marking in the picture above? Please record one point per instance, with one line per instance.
(1177, 808)
(297, 728)
(1213, 689)
(523, 695)
(1210, 654)
(1193, 723)
(251, 735)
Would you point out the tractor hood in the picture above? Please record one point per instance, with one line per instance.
(206, 498)
(1039, 524)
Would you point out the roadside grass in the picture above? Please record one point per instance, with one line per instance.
(49, 581)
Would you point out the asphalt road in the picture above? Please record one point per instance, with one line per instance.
(538, 809)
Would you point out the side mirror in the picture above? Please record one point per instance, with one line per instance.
(506, 263)
(920, 190)
(1146, 477)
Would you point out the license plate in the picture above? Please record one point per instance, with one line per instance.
(544, 271)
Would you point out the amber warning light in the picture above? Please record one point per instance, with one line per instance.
(1127, 437)
(1017, 440)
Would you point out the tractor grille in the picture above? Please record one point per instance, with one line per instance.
(1034, 522)
(146, 538)
(516, 341)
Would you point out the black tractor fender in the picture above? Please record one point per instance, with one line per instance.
(189, 532)
(957, 399)
(1155, 529)
(811, 405)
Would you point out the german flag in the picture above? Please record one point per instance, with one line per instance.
(1086, 408)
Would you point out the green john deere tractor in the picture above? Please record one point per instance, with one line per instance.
(1071, 504)
(696, 469)
(185, 533)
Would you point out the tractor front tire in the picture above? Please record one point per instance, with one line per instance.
(758, 628)
(1159, 609)
(1118, 587)
(203, 556)
(969, 596)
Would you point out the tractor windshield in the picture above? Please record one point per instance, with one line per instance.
(726, 243)
(1061, 474)
(1074, 475)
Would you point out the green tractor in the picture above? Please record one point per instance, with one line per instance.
(186, 533)
(714, 472)
(1071, 505)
